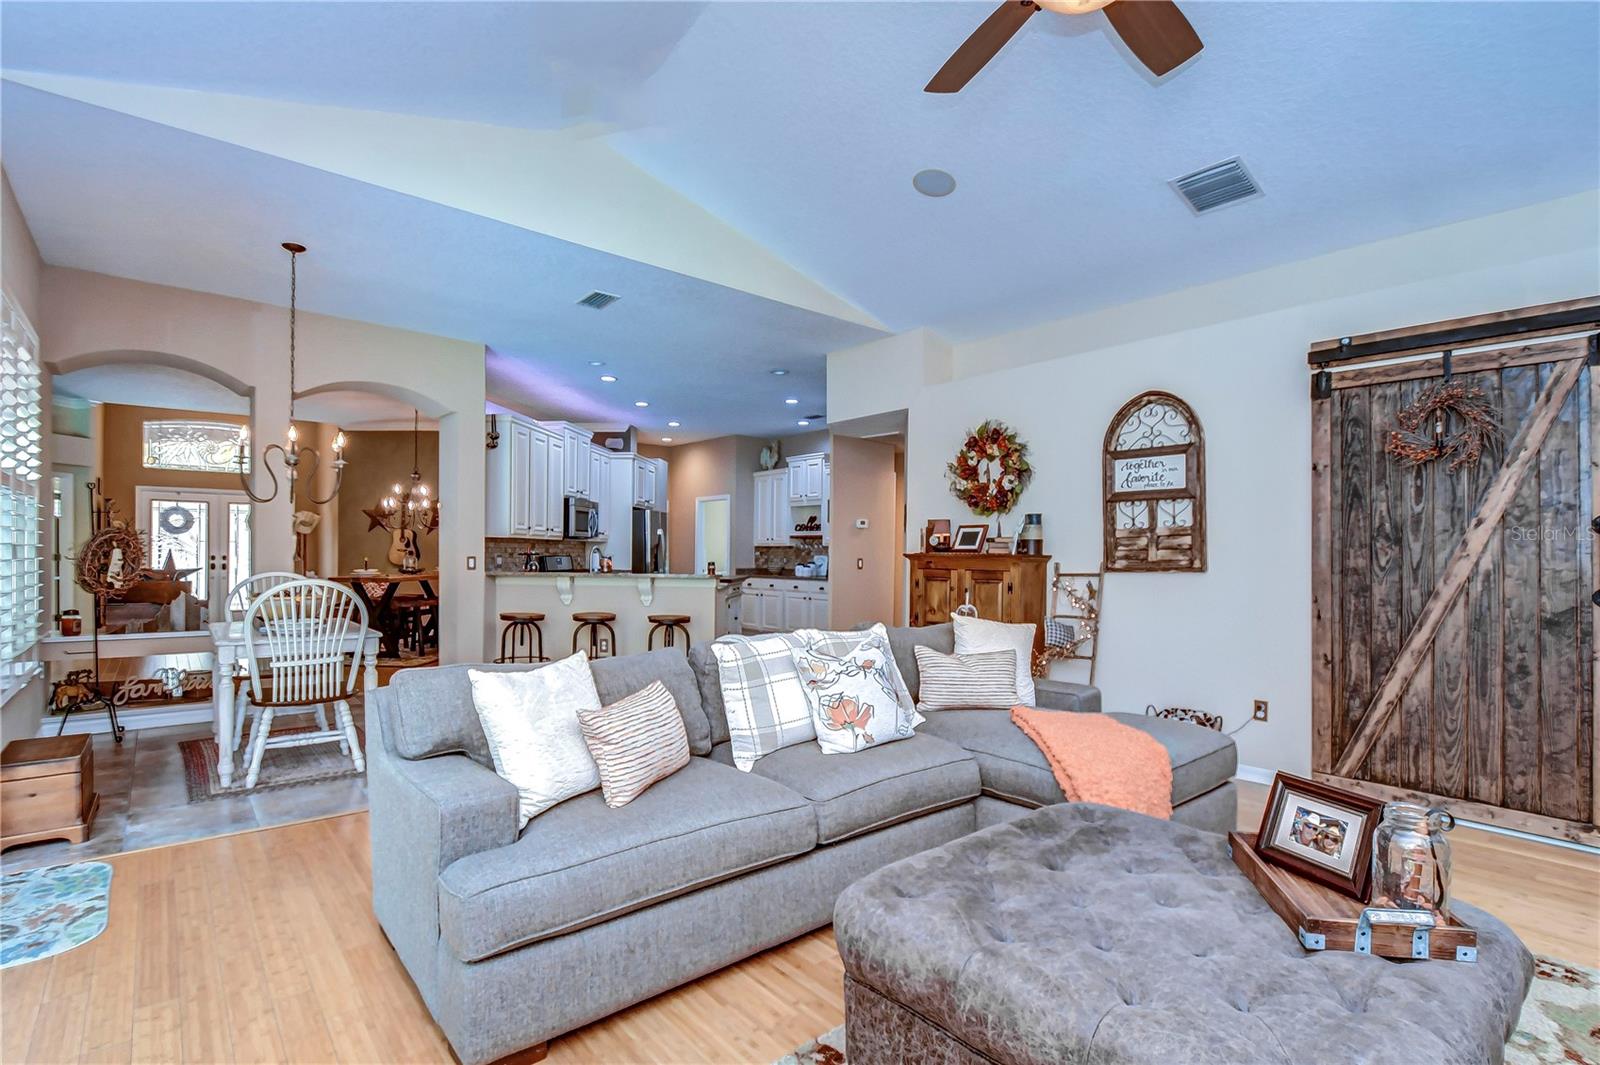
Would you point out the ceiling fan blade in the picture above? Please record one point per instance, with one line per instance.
(1155, 31)
(981, 47)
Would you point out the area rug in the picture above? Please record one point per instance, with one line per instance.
(1560, 1023)
(281, 767)
(46, 911)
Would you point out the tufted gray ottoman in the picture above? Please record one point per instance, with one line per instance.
(1081, 933)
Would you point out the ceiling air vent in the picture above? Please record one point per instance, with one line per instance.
(599, 300)
(1216, 186)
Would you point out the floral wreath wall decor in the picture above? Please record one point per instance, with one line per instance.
(991, 469)
(1424, 434)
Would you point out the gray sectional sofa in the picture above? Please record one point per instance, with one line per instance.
(513, 939)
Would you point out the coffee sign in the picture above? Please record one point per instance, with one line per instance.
(1150, 473)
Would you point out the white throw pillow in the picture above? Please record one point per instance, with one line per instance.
(765, 703)
(836, 643)
(531, 721)
(854, 697)
(975, 636)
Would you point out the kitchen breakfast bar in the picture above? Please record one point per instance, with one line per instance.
(630, 596)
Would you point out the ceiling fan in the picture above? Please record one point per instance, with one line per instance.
(1153, 30)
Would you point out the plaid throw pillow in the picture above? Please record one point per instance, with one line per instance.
(762, 696)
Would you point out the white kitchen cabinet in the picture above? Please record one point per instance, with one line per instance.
(553, 488)
(805, 479)
(600, 487)
(538, 476)
(827, 501)
(509, 498)
(772, 519)
(659, 495)
(796, 611)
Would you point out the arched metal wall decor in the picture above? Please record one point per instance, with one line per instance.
(1154, 487)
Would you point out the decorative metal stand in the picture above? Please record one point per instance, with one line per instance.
(78, 692)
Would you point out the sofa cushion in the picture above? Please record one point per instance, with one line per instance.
(873, 788)
(904, 641)
(708, 678)
(1014, 769)
(432, 710)
(583, 862)
(617, 678)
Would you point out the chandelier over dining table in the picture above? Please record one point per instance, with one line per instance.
(291, 451)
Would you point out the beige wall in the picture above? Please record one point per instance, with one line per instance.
(377, 461)
(863, 487)
(92, 319)
(705, 468)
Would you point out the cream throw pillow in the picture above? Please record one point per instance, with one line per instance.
(854, 697)
(975, 636)
(531, 721)
(636, 741)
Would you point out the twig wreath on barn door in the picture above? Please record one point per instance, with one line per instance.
(1424, 434)
(991, 470)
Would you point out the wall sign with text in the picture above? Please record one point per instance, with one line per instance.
(1154, 486)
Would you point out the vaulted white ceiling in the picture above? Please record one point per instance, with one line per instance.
(740, 172)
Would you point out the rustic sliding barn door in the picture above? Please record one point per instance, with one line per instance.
(1454, 627)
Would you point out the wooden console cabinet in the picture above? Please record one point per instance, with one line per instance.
(1002, 587)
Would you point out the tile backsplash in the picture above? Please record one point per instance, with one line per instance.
(785, 559)
(504, 555)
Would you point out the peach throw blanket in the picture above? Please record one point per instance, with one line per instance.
(1098, 759)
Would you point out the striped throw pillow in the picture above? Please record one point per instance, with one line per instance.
(967, 682)
(635, 741)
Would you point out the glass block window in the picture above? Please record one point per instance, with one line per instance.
(205, 447)
(21, 458)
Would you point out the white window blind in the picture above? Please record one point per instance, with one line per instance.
(21, 554)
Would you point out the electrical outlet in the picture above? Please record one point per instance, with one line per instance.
(472, 562)
(1260, 712)
(605, 649)
(861, 563)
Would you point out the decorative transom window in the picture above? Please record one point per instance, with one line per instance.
(21, 553)
(206, 447)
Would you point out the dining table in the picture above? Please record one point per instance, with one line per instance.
(231, 646)
(377, 591)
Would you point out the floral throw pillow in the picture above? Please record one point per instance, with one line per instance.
(854, 697)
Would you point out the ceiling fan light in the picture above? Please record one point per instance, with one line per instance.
(1072, 7)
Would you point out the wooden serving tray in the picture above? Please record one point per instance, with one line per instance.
(1323, 919)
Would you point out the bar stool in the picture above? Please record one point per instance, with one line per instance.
(668, 625)
(523, 631)
(592, 621)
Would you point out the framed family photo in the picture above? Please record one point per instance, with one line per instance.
(970, 538)
(1321, 832)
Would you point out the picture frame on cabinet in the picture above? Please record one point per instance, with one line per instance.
(970, 538)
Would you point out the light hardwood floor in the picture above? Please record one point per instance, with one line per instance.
(262, 947)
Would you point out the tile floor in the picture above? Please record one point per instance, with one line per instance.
(144, 801)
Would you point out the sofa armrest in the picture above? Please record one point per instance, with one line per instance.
(1065, 695)
(424, 815)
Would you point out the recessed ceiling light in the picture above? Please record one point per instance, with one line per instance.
(597, 362)
(608, 379)
(792, 402)
(933, 183)
(779, 373)
(640, 403)
(673, 425)
(802, 421)
(666, 439)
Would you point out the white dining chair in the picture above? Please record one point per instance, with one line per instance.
(240, 596)
(299, 630)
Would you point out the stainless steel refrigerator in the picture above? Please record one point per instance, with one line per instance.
(649, 541)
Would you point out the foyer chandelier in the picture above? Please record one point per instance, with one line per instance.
(292, 452)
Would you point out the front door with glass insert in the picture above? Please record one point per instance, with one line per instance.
(204, 536)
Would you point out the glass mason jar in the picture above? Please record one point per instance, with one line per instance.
(1411, 858)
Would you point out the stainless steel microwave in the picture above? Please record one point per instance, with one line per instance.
(582, 520)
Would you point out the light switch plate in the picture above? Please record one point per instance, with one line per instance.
(863, 523)
(472, 562)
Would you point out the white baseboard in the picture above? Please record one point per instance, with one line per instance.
(1257, 775)
(1254, 774)
(96, 723)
